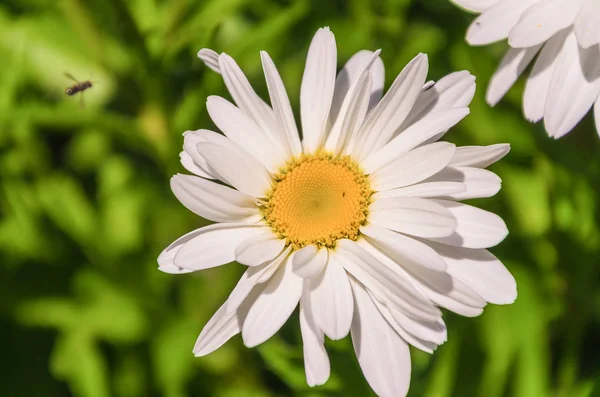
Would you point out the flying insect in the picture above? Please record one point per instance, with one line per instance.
(78, 87)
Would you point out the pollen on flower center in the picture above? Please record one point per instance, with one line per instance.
(318, 199)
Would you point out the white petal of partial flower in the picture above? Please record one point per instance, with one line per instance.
(393, 108)
(432, 331)
(383, 355)
(214, 245)
(424, 129)
(574, 87)
(316, 91)
(538, 81)
(479, 183)
(412, 167)
(587, 24)
(273, 307)
(307, 262)
(479, 156)
(408, 337)
(281, 106)
(414, 216)
(348, 124)
(430, 283)
(240, 170)
(423, 190)
(390, 285)
(354, 107)
(253, 276)
(246, 99)
(513, 64)
(224, 324)
(210, 59)
(167, 256)
(331, 300)
(404, 250)
(191, 158)
(496, 22)
(316, 361)
(241, 129)
(477, 6)
(597, 115)
(259, 248)
(461, 299)
(481, 271)
(214, 202)
(476, 229)
(455, 90)
(542, 20)
(165, 263)
(349, 75)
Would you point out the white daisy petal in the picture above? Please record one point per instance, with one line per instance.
(414, 216)
(383, 355)
(214, 202)
(461, 299)
(414, 136)
(495, 23)
(242, 171)
(224, 324)
(253, 276)
(455, 90)
(166, 265)
(307, 262)
(574, 87)
(191, 158)
(476, 228)
(538, 83)
(210, 59)
(388, 284)
(331, 300)
(426, 346)
(393, 108)
(440, 287)
(241, 129)
(481, 271)
(476, 5)
(353, 110)
(316, 361)
(423, 190)
(213, 245)
(350, 74)
(597, 115)
(246, 99)
(404, 250)
(259, 248)
(479, 183)
(412, 167)
(513, 64)
(541, 21)
(587, 24)
(316, 92)
(281, 106)
(479, 156)
(272, 307)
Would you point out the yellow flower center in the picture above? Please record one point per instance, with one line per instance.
(318, 199)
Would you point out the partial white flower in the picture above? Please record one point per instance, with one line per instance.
(564, 82)
(359, 223)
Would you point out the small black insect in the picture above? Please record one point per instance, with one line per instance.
(79, 86)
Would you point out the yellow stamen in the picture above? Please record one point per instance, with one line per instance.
(318, 199)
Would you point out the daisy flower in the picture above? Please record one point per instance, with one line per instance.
(359, 222)
(564, 82)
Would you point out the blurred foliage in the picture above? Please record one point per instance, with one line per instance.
(86, 206)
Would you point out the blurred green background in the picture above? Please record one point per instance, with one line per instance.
(86, 205)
